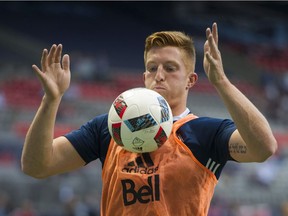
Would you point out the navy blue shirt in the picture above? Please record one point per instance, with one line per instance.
(206, 137)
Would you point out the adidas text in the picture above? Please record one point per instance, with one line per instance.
(142, 170)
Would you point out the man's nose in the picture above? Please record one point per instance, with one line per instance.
(160, 76)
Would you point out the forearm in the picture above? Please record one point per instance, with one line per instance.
(251, 124)
(38, 150)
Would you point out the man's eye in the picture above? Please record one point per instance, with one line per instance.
(152, 69)
(170, 69)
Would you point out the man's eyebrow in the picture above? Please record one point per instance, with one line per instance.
(171, 62)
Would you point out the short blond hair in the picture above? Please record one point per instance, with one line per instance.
(175, 39)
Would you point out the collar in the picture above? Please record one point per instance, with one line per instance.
(185, 113)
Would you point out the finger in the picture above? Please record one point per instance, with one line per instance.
(213, 47)
(206, 47)
(209, 58)
(215, 32)
(58, 54)
(66, 62)
(51, 54)
(208, 32)
(44, 60)
(38, 72)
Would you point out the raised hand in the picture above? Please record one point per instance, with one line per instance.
(212, 57)
(54, 75)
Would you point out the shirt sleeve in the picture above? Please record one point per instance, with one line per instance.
(220, 145)
(92, 139)
(208, 140)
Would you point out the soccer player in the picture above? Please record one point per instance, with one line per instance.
(177, 179)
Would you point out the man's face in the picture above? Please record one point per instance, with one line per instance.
(166, 74)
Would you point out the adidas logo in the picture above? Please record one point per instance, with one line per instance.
(142, 164)
(212, 165)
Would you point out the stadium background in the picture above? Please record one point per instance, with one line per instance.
(105, 41)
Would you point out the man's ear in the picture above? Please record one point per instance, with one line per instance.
(144, 77)
(193, 77)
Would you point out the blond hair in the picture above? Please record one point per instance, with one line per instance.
(175, 39)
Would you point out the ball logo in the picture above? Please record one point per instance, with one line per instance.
(137, 142)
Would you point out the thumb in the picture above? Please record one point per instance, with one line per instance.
(206, 46)
(38, 72)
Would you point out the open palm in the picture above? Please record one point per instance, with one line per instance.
(54, 76)
(212, 57)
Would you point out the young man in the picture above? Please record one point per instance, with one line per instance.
(177, 179)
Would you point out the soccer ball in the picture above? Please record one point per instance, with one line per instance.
(140, 120)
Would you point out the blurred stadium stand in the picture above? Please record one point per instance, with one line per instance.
(105, 42)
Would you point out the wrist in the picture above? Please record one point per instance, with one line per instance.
(51, 100)
(223, 83)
